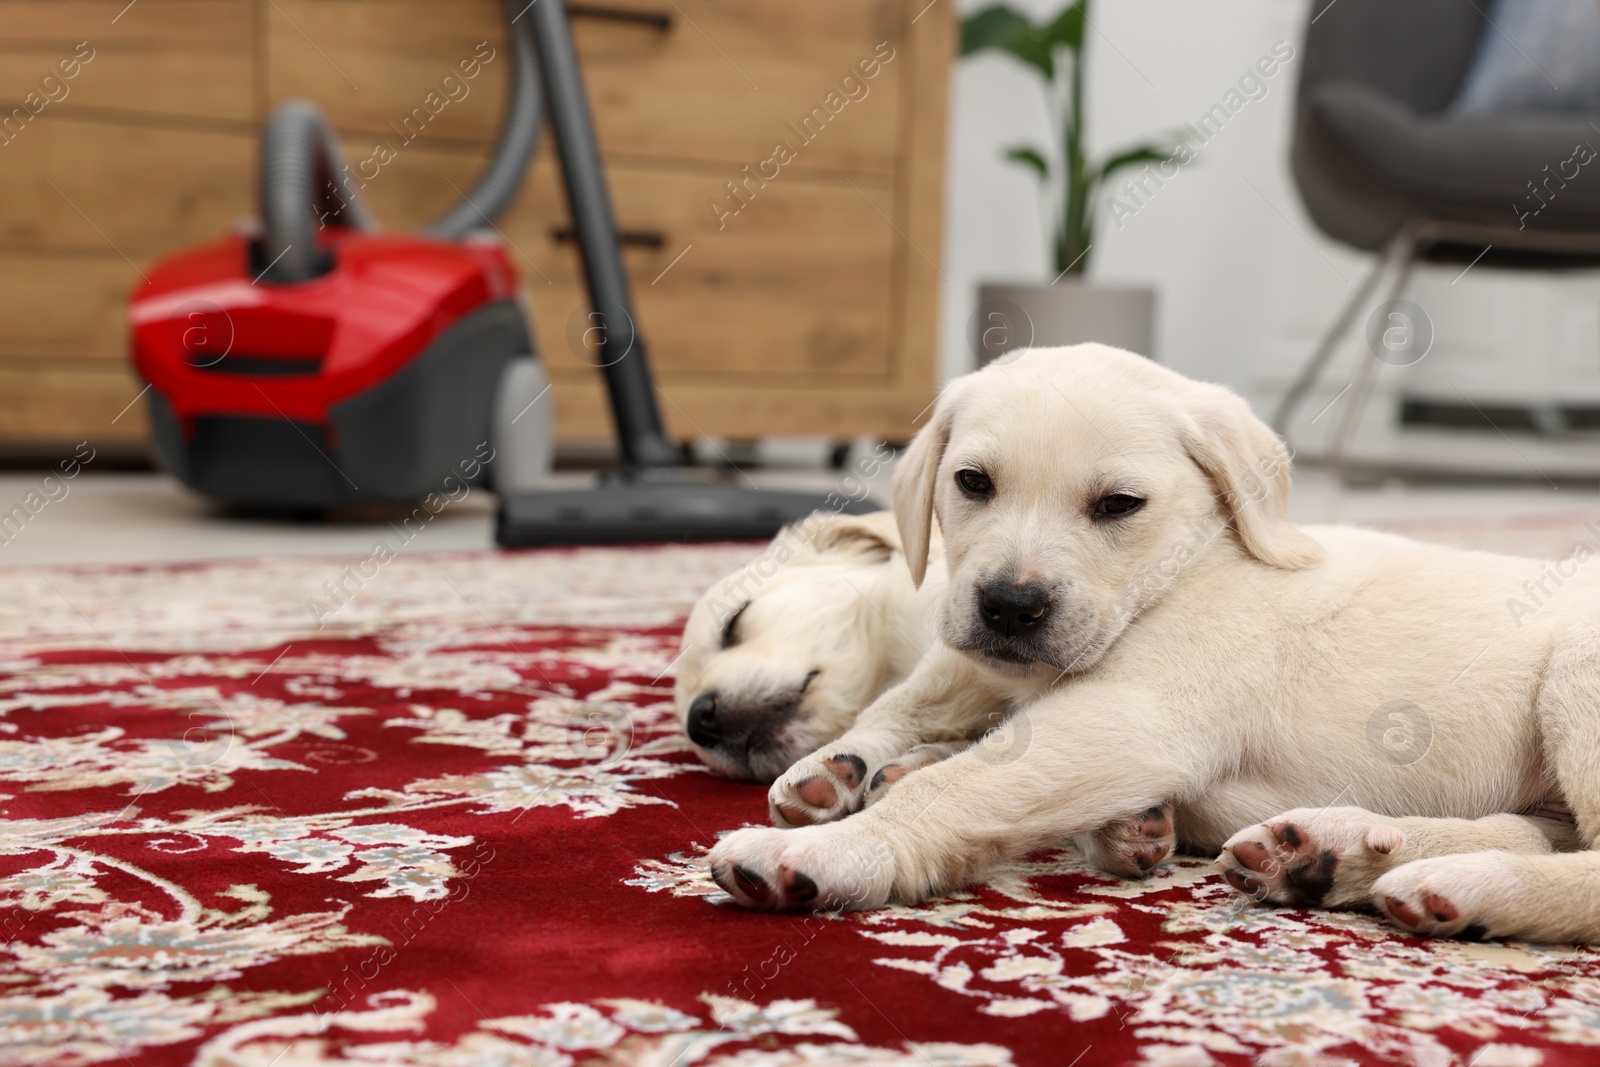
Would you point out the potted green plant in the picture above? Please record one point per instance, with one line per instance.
(1067, 310)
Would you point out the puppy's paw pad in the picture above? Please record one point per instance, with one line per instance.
(849, 769)
(1452, 896)
(1402, 913)
(781, 870)
(1439, 908)
(818, 792)
(923, 755)
(745, 863)
(1134, 847)
(749, 883)
(1145, 857)
(1243, 882)
(1283, 863)
(887, 775)
(1429, 913)
(787, 815)
(1385, 840)
(1316, 857)
(817, 789)
(1253, 855)
(798, 888)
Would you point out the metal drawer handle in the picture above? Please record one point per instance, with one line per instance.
(637, 238)
(655, 20)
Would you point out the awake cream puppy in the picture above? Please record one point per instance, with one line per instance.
(780, 657)
(1125, 585)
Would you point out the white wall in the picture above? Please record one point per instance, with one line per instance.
(1245, 281)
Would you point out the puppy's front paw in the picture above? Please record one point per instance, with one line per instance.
(1472, 895)
(1132, 847)
(884, 778)
(816, 867)
(823, 787)
(1321, 857)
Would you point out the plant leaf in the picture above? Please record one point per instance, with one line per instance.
(1067, 28)
(1147, 153)
(1003, 29)
(1032, 157)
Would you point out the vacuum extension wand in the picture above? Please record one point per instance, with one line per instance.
(640, 435)
(653, 497)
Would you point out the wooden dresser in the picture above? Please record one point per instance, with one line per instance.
(776, 167)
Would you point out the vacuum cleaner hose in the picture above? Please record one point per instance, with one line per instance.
(301, 192)
(519, 134)
(302, 167)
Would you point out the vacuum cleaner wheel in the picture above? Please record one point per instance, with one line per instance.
(524, 427)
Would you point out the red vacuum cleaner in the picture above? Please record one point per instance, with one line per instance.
(321, 363)
(375, 381)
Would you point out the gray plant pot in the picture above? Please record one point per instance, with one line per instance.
(1066, 313)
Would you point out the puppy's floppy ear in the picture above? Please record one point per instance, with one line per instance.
(1250, 468)
(915, 476)
(872, 535)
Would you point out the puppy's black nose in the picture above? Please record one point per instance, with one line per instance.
(704, 729)
(1012, 610)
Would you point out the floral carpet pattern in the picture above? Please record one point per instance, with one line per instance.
(453, 825)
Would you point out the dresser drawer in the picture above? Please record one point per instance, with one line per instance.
(93, 188)
(725, 80)
(799, 284)
(796, 286)
(47, 404)
(66, 309)
(167, 57)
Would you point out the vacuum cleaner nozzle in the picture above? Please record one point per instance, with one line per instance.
(632, 510)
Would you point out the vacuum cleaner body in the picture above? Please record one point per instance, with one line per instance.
(373, 381)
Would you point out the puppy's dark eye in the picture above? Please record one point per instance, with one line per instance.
(728, 637)
(974, 483)
(1117, 505)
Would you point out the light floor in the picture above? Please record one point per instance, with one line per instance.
(136, 517)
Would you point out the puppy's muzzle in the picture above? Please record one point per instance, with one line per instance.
(717, 721)
(742, 734)
(705, 728)
(1012, 610)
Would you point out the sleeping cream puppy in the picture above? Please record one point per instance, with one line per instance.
(780, 657)
(1124, 585)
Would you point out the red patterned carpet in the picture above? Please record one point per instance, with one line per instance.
(453, 826)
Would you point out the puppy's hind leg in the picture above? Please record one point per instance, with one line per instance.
(1569, 723)
(1131, 847)
(1554, 898)
(1333, 857)
(1128, 848)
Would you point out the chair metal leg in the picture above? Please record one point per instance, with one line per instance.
(1404, 247)
(1403, 242)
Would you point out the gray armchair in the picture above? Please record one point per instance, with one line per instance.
(1383, 164)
